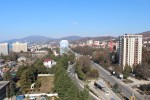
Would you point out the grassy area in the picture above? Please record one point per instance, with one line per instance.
(127, 81)
(46, 84)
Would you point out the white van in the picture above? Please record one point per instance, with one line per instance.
(32, 98)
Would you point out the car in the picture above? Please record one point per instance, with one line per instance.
(32, 98)
(112, 99)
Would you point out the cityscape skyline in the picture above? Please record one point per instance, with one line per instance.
(58, 19)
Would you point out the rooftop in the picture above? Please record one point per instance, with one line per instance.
(3, 83)
(46, 60)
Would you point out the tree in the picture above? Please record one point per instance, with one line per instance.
(85, 62)
(93, 74)
(85, 94)
(81, 75)
(71, 58)
(64, 86)
(25, 81)
(10, 89)
(127, 71)
(37, 84)
(20, 70)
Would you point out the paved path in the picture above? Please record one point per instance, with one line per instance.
(137, 82)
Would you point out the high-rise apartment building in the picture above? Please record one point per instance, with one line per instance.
(130, 50)
(18, 47)
(89, 42)
(64, 46)
(4, 48)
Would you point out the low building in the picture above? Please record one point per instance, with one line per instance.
(47, 63)
(21, 59)
(11, 63)
(3, 85)
(89, 42)
(96, 43)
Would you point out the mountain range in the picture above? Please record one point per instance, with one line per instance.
(43, 39)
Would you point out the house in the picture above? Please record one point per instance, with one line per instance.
(47, 63)
(21, 59)
(11, 63)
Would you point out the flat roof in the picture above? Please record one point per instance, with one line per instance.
(3, 83)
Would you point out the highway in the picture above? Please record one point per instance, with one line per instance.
(126, 90)
(74, 77)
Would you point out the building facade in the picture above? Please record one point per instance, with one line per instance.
(89, 42)
(3, 90)
(4, 48)
(130, 50)
(64, 44)
(18, 47)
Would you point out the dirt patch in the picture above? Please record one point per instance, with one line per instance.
(47, 84)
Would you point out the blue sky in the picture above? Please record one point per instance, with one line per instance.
(58, 18)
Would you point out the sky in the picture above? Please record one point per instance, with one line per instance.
(59, 18)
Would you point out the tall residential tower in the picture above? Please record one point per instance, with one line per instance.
(130, 50)
(18, 47)
(4, 48)
(64, 44)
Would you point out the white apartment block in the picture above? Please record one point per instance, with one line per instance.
(89, 42)
(130, 50)
(4, 48)
(18, 47)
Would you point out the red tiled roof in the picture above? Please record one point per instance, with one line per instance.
(46, 60)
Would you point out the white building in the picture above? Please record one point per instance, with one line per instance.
(21, 59)
(18, 47)
(130, 50)
(47, 63)
(96, 43)
(4, 48)
(89, 42)
(64, 44)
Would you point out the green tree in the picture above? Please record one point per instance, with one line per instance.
(71, 58)
(126, 72)
(85, 94)
(10, 89)
(93, 73)
(20, 71)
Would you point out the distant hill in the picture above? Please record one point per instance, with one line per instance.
(99, 38)
(41, 39)
(31, 39)
(146, 34)
(71, 38)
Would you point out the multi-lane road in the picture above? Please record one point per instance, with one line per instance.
(125, 89)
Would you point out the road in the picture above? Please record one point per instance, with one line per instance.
(74, 77)
(126, 90)
(101, 94)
